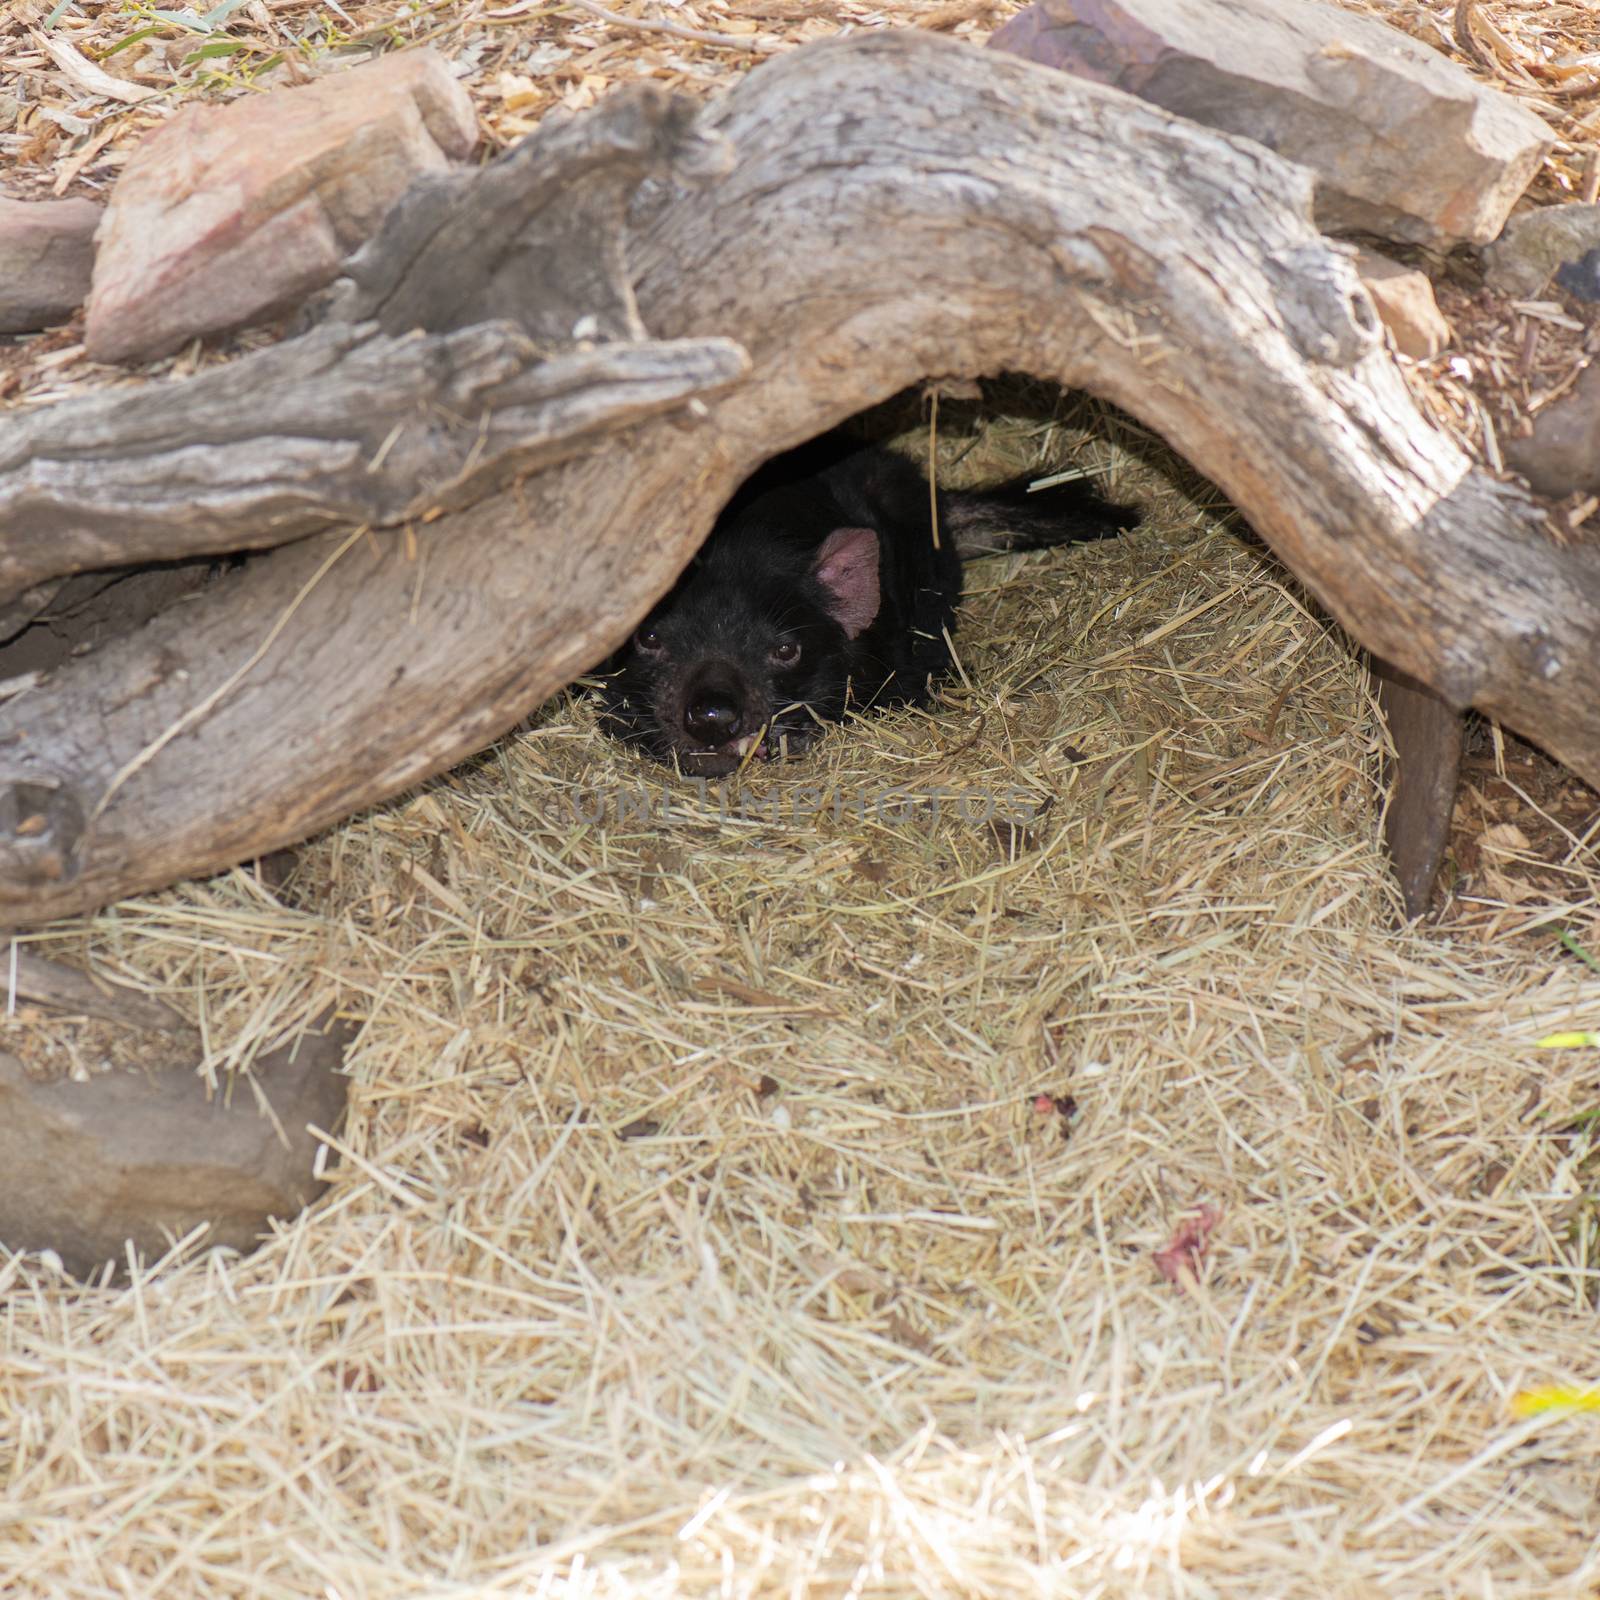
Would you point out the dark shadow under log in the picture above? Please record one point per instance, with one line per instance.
(1427, 736)
(902, 207)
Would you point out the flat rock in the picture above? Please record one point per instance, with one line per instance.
(1405, 302)
(1548, 242)
(1403, 142)
(228, 215)
(1582, 277)
(1562, 454)
(87, 1167)
(46, 258)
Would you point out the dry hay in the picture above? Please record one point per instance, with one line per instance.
(738, 1205)
(750, 1204)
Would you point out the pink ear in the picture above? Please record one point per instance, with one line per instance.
(847, 567)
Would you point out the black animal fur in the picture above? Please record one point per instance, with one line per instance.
(820, 591)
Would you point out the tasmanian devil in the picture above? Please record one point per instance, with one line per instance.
(821, 590)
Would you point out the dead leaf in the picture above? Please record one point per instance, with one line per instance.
(87, 76)
(1182, 1254)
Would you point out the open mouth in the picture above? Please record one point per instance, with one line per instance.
(715, 761)
(770, 742)
(707, 763)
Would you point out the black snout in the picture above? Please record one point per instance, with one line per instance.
(712, 718)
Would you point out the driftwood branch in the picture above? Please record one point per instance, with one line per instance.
(488, 331)
(536, 237)
(902, 207)
(342, 425)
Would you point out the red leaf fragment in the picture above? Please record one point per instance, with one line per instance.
(1065, 1107)
(1182, 1254)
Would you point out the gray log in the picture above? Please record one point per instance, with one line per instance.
(544, 224)
(530, 347)
(339, 426)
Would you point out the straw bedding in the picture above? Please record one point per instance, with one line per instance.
(772, 1203)
(1098, 1194)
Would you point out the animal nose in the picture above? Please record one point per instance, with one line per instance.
(712, 718)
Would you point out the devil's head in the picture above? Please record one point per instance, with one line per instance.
(759, 645)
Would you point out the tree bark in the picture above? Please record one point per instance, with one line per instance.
(344, 425)
(901, 207)
(487, 331)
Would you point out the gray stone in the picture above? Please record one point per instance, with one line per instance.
(86, 1167)
(1562, 454)
(228, 215)
(1538, 244)
(1581, 277)
(46, 258)
(1405, 302)
(1403, 142)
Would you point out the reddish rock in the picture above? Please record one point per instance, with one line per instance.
(227, 215)
(147, 1156)
(1404, 143)
(46, 257)
(1404, 298)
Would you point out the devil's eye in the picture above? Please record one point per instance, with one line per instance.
(784, 654)
(648, 641)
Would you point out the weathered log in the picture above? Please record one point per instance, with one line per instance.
(536, 237)
(24, 976)
(89, 610)
(20, 612)
(342, 425)
(902, 207)
(516, 271)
